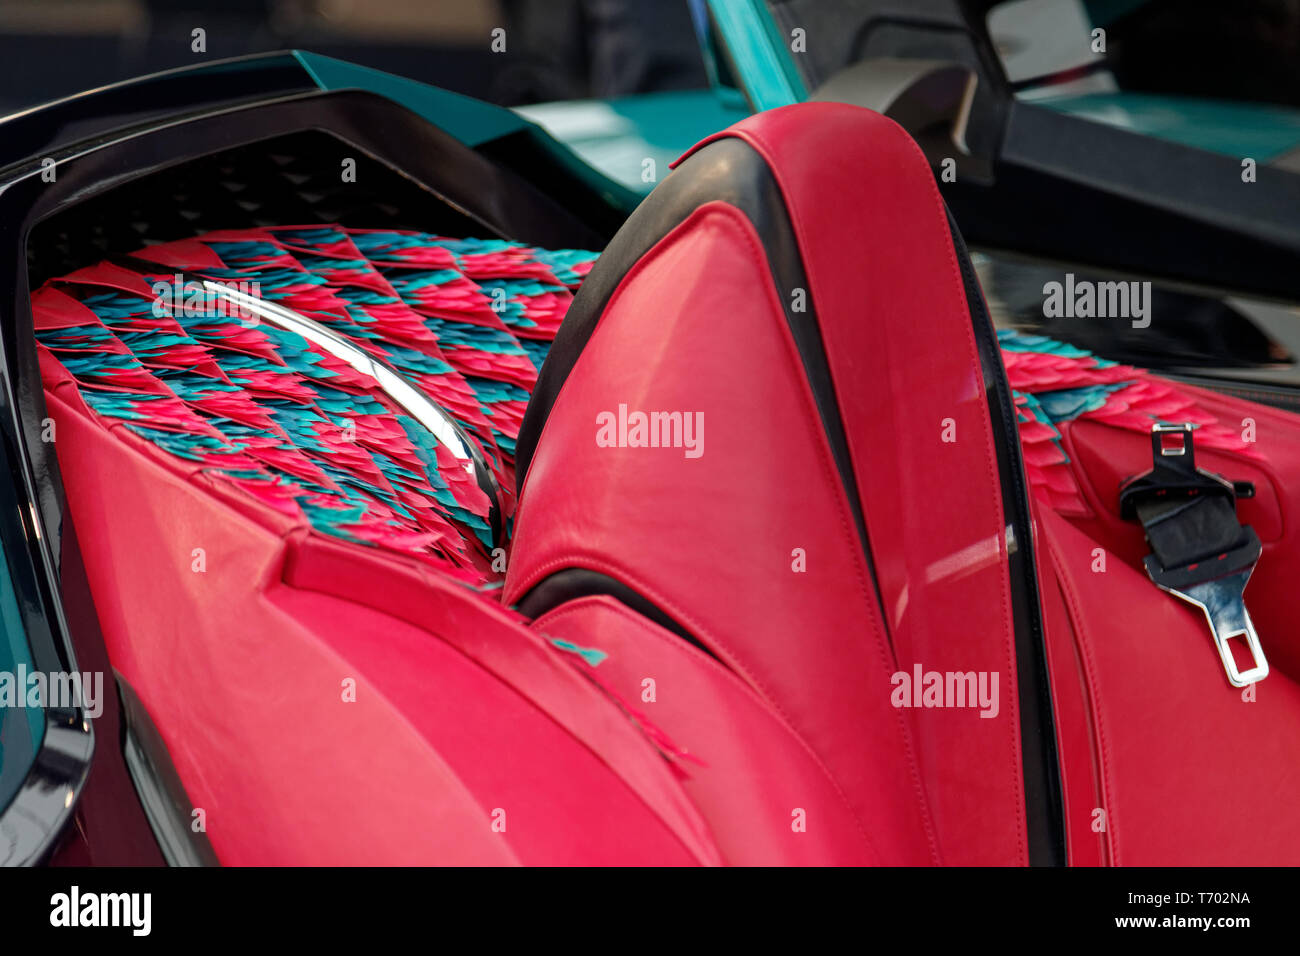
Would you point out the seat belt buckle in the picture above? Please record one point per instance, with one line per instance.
(1223, 602)
(1201, 553)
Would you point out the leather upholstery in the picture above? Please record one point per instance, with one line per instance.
(697, 325)
(707, 664)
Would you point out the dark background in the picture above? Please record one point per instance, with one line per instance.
(567, 49)
(558, 49)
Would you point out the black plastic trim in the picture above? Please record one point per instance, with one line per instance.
(110, 828)
(31, 823)
(1138, 205)
(162, 795)
(570, 584)
(50, 128)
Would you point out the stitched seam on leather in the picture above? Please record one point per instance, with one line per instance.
(990, 464)
(848, 533)
(760, 141)
(613, 605)
(759, 257)
(661, 804)
(887, 652)
(1098, 723)
(639, 266)
(1078, 667)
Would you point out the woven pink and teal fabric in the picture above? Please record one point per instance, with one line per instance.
(468, 321)
(1053, 382)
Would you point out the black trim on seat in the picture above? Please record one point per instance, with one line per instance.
(1044, 807)
(571, 584)
(731, 171)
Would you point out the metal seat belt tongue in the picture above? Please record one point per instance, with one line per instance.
(1200, 552)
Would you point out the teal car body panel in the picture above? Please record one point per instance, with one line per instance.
(618, 136)
(757, 52)
(471, 121)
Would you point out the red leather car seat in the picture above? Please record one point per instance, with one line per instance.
(731, 608)
(857, 511)
(855, 514)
